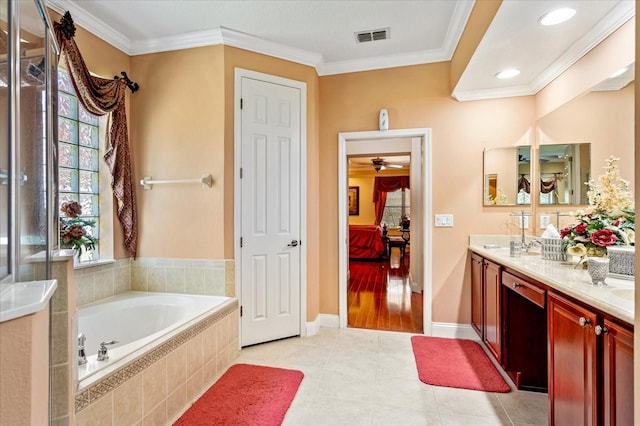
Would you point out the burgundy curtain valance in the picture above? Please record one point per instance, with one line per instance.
(382, 185)
(389, 184)
(102, 96)
(548, 186)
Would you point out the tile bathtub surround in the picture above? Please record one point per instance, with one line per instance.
(99, 282)
(158, 386)
(204, 277)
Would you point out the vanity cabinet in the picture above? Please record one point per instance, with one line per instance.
(485, 303)
(587, 355)
(477, 293)
(492, 310)
(618, 374)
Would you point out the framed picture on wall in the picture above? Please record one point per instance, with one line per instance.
(354, 201)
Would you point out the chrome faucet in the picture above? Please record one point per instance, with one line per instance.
(82, 358)
(102, 352)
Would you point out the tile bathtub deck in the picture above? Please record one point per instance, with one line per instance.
(364, 377)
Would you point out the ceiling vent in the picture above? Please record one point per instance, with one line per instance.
(373, 35)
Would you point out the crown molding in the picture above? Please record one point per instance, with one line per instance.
(483, 94)
(229, 37)
(92, 24)
(620, 14)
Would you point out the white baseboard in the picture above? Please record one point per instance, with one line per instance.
(454, 331)
(322, 320)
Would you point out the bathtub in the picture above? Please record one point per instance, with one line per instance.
(139, 322)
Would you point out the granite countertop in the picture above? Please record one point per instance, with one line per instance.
(616, 298)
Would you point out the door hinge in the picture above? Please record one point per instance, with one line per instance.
(240, 310)
(241, 242)
(241, 103)
(241, 171)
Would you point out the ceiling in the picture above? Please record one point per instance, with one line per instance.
(321, 33)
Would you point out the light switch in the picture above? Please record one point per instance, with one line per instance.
(444, 221)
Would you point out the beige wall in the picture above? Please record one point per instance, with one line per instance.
(418, 96)
(178, 133)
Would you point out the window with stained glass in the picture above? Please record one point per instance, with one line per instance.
(78, 156)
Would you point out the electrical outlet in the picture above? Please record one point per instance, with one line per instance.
(545, 220)
(444, 221)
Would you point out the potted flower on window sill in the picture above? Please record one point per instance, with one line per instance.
(609, 220)
(73, 229)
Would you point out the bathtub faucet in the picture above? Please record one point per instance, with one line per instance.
(82, 358)
(102, 352)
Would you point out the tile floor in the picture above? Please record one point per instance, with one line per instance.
(363, 377)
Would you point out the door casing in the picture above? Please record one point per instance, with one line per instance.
(377, 141)
(239, 74)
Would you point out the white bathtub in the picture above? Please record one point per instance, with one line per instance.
(139, 321)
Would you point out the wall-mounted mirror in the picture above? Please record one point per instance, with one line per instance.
(507, 176)
(563, 170)
(599, 124)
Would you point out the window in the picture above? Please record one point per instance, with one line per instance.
(398, 205)
(78, 157)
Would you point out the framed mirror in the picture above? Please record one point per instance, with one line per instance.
(563, 171)
(507, 176)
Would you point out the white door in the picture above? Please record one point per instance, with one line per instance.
(270, 211)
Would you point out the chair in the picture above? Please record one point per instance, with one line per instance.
(399, 242)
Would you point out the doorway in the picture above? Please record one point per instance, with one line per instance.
(418, 143)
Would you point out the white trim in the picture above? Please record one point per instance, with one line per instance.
(322, 320)
(374, 139)
(454, 331)
(229, 37)
(237, 129)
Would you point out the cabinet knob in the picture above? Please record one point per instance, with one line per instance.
(584, 321)
(516, 285)
(601, 330)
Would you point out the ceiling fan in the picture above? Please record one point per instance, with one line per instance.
(378, 163)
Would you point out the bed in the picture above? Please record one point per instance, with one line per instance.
(366, 242)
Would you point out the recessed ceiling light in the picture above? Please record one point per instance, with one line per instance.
(510, 73)
(557, 16)
(619, 72)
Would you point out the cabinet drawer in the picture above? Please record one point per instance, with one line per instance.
(524, 288)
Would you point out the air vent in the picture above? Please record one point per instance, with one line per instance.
(373, 35)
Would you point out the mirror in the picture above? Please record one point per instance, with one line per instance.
(563, 170)
(587, 130)
(507, 176)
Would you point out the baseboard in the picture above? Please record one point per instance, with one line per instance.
(454, 331)
(322, 320)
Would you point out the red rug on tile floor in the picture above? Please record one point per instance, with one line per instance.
(245, 395)
(456, 363)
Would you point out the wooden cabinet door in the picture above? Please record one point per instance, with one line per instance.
(572, 363)
(492, 290)
(618, 374)
(477, 277)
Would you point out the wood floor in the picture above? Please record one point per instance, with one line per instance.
(379, 296)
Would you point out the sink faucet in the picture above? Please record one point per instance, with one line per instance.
(102, 352)
(82, 358)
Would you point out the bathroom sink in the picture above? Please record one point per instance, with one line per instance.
(625, 293)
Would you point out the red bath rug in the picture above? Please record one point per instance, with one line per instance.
(246, 394)
(456, 363)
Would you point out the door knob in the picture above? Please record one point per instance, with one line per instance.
(293, 243)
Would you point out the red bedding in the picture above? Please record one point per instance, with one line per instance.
(365, 242)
